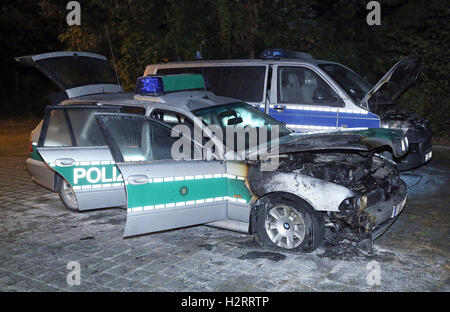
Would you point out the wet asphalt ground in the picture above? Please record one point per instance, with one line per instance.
(39, 237)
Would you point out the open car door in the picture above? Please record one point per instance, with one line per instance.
(72, 144)
(75, 73)
(164, 193)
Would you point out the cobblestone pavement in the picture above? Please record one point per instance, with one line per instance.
(38, 237)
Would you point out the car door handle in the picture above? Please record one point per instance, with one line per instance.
(64, 162)
(137, 179)
(279, 108)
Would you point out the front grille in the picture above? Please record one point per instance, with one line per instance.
(414, 148)
(417, 148)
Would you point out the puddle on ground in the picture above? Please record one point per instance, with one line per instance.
(351, 251)
(345, 250)
(272, 256)
(111, 221)
(207, 246)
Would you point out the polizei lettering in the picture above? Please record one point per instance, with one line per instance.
(96, 175)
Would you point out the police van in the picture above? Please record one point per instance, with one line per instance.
(308, 94)
(102, 148)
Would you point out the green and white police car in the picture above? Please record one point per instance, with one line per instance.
(104, 148)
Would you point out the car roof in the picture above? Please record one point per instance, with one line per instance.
(244, 61)
(185, 100)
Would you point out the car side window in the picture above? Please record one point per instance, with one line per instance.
(174, 118)
(58, 133)
(170, 117)
(85, 127)
(300, 85)
(77, 121)
(140, 139)
(133, 110)
(241, 82)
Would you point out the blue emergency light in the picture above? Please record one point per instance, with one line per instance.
(158, 85)
(284, 54)
(149, 85)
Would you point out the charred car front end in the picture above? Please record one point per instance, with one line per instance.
(357, 191)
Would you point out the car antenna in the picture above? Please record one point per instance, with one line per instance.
(112, 53)
(199, 56)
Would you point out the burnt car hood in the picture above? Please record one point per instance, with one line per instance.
(399, 78)
(349, 140)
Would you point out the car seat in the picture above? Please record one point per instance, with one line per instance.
(292, 90)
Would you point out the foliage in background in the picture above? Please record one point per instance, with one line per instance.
(144, 32)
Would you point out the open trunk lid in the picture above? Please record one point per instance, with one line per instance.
(75, 73)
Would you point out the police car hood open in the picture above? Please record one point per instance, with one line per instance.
(400, 77)
(75, 73)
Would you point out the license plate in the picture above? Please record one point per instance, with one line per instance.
(398, 208)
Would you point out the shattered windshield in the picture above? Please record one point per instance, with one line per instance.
(238, 115)
(350, 81)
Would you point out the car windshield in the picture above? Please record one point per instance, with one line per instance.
(239, 115)
(350, 81)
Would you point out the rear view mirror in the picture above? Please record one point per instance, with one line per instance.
(234, 121)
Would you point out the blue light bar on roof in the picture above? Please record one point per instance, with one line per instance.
(149, 85)
(158, 85)
(284, 54)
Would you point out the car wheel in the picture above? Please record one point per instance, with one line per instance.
(290, 225)
(67, 195)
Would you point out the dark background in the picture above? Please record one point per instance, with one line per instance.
(147, 31)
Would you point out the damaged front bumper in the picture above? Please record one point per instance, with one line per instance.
(371, 219)
(383, 214)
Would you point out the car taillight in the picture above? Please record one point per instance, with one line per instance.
(31, 146)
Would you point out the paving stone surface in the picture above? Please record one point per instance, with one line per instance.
(39, 237)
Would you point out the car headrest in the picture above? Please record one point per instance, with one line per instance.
(293, 79)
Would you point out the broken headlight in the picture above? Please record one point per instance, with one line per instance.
(358, 203)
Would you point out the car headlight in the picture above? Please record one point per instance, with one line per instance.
(402, 146)
(396, 124)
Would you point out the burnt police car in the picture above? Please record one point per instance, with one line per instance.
(103, 148)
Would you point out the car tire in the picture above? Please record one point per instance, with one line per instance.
(288, 224)
(67, 194)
